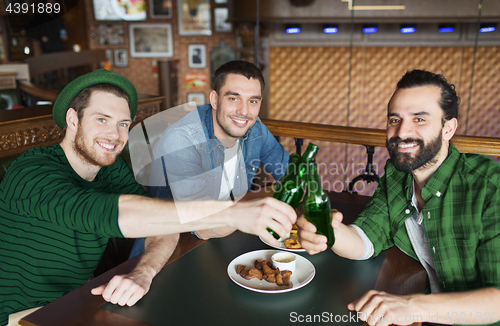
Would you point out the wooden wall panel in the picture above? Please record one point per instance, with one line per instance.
(310, 84)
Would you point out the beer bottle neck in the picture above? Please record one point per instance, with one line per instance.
(310, 153)
(292, 164)
(313, 181)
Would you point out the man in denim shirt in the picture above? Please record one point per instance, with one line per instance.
(215, 151)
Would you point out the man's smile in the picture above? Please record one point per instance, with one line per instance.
(108, 147)
(240, 122)
(407, 145)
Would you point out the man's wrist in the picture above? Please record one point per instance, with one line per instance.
(419, 304)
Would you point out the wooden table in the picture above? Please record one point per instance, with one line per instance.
(178, 294)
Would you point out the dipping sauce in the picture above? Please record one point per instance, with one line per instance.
(284, 261)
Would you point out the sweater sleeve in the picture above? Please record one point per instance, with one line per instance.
(39, 187)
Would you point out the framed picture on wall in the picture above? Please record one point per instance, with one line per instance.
(127, 10)
(110, 34)
(196, 81)
(151, 40)
(109, 55)
(198, 98)
(121, 58)
(220, 19)
(194, 17)
(197, 56)
(161, 8)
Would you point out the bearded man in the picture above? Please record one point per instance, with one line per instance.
(60, 204)
(435, 204)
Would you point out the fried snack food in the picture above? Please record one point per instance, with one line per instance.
(263, 270)
(255, 272)
(286, 277)
(292, 244)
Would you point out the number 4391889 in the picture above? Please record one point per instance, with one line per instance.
(33, 8)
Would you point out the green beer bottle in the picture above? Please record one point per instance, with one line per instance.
(317, 209)
(279, 191)
(289, 188)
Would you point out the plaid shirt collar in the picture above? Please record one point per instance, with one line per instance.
(438, 182)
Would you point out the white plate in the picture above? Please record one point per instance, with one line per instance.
(303, 274)
(281, 246)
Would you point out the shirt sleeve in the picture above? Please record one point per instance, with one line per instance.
(274, 158)
(367, 244)
(40, 188)
(374, 220)
(488, 250)
(183, 163)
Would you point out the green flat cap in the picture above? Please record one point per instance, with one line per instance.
(101, 76)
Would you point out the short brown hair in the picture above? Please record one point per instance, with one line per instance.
(237, 67)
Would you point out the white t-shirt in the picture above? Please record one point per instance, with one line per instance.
(231, 159)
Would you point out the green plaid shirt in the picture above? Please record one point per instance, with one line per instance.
(461, 219)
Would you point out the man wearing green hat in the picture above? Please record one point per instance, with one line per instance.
(60, 204)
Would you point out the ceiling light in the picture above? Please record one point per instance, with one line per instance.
(369, 29)
(487, 28)
(446, 28)
(293, 29)
(407, 29)
(330, 29)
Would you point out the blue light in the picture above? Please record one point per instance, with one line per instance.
(408, 29)
(446, 30)
(370, 29)
(487, 29)
(293, 30)
(330, 30)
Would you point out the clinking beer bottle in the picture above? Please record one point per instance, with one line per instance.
(317, 208)
(291, 170)
(289, 188)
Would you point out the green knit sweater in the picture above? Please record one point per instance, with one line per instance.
(54, 226)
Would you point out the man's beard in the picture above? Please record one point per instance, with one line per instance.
(425, 156)
(88, 152)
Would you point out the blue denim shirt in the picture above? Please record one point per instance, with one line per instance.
(192, 158)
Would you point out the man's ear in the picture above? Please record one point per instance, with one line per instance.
(449, 129)
(71, 119)
(213, 99)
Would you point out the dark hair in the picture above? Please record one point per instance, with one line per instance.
(81, 101)
(449, 100)
(238, 67)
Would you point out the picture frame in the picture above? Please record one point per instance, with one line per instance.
(151, 40)
(220, 20)
(109, 56)
(110, 34)
(121, 58)
(123, 10)
(197, 56)
(198, 98)
(194, 17)
(160, 9)
(196, 81)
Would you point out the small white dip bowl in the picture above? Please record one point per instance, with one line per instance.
(285, 261)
